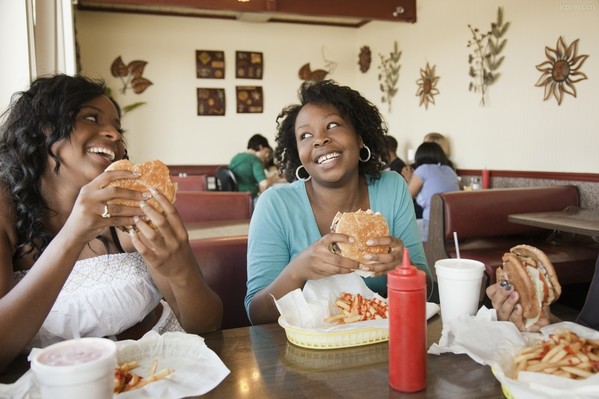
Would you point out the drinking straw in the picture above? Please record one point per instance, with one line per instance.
(457, 246)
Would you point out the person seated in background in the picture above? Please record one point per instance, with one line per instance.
(65, 269)
(398, 165)
(248, 166)
(440, 139)
(271, 169)
(432, 175)
(505, 301)
(332, 150)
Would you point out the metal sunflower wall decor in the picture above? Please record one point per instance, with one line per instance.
(561, 70)
(389, 74)
(485, 58)
(427, 86)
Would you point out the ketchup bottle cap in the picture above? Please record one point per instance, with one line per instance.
(406, 277)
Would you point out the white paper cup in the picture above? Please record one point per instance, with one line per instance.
(77, 368)
(459, 283)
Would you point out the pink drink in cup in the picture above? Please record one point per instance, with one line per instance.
(77, 368)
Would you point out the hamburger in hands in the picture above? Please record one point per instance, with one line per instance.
(362, 226)
(531, 274)
(151, 174)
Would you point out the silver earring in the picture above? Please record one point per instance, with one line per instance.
(367, 157)
(298, 176)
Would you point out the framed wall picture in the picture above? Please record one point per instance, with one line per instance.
(210, 64)
(211, 102)
(248, 65)
(250, 99)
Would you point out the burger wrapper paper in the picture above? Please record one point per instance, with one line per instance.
(495, 343)
(196, 369)
(306, 309)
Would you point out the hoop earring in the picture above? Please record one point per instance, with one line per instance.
(367, 157)
(298, 176)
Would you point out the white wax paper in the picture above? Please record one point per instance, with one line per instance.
(196, 368)
(306, 309)
(495, 343)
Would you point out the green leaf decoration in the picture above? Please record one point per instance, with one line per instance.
(131, 107)
(389, 74)
(486, 58)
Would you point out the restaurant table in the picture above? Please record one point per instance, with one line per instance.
(265, 365)
(571, 220)
(217, 228)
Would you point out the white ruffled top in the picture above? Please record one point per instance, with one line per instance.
(102, 297)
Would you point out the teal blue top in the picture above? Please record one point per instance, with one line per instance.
(249, 171)
(283, 225)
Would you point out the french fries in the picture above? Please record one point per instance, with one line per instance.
(351, 308)
(564, 354)
(125, 380)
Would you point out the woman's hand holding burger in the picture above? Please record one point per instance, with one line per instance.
(318, 260)
(505, 302)
(526, 285)
(161, 238)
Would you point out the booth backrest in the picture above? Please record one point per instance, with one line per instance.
(480, 219)
(209, 170)
(223, 263)
(204, 206)
(190, 182)
(484, 213)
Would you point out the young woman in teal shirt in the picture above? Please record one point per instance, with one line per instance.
(332, 148)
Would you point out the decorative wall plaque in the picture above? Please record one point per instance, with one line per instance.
(248, 65)
(210, 64)
(249, 99)
(211, 101)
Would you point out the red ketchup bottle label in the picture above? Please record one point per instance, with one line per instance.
(406, 286)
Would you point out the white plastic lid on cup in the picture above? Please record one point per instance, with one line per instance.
(77, 368)
(460, 269)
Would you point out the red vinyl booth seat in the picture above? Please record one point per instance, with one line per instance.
(223, 262)
(205, 206)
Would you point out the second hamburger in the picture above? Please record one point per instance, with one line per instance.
(532, 275)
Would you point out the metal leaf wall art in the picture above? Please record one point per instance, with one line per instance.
(130, 75)
(389, 74)
(307, 73)
(485, 59)
(561, 70)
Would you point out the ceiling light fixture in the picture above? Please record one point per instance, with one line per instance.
(398, 11)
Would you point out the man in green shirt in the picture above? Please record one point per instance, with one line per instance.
(248, 167)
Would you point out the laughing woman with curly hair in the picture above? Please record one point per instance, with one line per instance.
(65, 270)
(332, 148)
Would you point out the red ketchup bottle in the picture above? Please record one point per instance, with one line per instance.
(406, 286)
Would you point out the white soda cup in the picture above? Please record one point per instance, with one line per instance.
(77, 368)
(459, 283)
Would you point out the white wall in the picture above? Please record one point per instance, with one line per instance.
(168, 126)
(516, 130)
(14, 68)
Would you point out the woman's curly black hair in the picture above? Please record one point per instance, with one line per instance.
(35, 120)
(364, 116)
